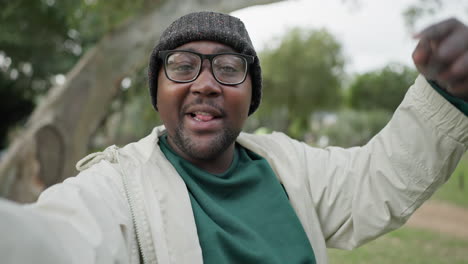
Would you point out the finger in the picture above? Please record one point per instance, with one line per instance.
(454, 45)
(425, 61)
(458, 70)
(460, 67)
(439, 30)
(422, 52)
(459, 89)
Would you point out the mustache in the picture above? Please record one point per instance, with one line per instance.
(200, 101)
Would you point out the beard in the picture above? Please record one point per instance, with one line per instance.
(194, 150)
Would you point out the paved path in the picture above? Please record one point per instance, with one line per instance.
(441, 217)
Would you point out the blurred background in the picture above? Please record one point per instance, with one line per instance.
(73, 81)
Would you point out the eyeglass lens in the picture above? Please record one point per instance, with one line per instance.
(182, 66)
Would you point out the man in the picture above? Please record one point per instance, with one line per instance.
(200, 191)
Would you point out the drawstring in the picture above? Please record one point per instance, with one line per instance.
(108, 154)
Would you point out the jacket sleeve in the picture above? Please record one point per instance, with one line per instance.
(363, 192)
(83, 220)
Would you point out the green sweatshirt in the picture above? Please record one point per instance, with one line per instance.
(242, 215)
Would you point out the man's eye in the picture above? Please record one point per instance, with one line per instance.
(227, 69)
(182, 67)
(185, 67)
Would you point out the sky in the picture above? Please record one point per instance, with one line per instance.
(372, 33)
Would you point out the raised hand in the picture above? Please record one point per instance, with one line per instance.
(442, 56)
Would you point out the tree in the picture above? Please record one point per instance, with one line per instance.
(423, 9)
(382, 89)
(303, 74)
(58, 132)
(15, 110)
(28, 59)
(372, 97)
(40, 40)
(347, 127)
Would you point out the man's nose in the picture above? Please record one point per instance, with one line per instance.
(206, 83)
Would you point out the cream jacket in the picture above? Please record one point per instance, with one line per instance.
(131, 199)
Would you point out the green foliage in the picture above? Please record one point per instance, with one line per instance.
(14, 110)
(347, 128)
(372, 97)
(382, 89)
(303, 74)
(455, 191)
(406, 245)
(32, 34)
(43, 38)
(422, 9)
(51, 35)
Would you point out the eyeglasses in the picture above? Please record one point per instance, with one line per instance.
(184, 66)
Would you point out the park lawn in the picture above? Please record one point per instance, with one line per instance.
(455, 191)
(406, 245)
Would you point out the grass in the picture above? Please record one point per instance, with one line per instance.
(406, 245)
(417, 246)
(455, 191)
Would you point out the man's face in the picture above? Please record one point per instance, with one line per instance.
(203, 118)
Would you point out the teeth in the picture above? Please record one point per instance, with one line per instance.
(202, 113)
(202, 116)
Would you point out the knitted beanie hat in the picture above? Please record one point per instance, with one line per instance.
(211, 26)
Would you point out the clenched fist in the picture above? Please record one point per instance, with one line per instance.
(442, 56)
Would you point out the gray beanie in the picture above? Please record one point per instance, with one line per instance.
(211, 26)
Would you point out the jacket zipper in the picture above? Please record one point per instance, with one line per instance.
(138, 232)
(138, 228)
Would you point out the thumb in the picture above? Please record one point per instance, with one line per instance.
(422, 52)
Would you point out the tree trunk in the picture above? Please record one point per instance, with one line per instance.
(57, 133)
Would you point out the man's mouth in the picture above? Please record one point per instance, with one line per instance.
(203, 112)
(201, 116)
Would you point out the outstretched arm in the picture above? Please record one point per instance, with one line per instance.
(368, 191)
(83, 220)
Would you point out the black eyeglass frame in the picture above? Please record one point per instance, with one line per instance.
(164, 55)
